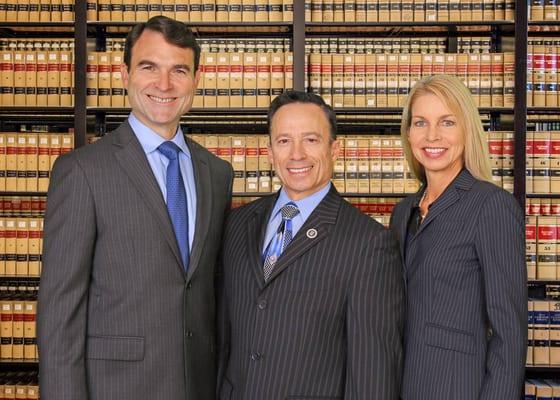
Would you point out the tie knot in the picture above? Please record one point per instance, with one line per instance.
(289, 211)
(169, 150)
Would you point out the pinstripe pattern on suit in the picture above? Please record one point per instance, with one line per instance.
(466, 329)
(328, 323)
(115, 304)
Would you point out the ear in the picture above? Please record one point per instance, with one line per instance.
(124, 74)
(335, 150)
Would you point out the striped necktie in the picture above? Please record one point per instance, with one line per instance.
(280, 240)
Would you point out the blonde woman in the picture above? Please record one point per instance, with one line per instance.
(463, 247)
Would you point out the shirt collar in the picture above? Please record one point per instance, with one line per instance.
(150, 141)
(305, 205)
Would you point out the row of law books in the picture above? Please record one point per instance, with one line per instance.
(542, 389)
(542, 162)
(408, 10)
(540, 10)
(21, 244)
(27, 158)
(19, 385)
(22, 206)
(542, 247)
(544, 207)
(384, 80)
(417, 44)
(367, 163)
(543, 347)
(543, 63)
(36, 10)
(37, 72)
(18, 329)
(191, 10)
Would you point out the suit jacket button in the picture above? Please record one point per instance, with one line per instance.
(189, 334)
(189, 285)
(256, 356)
(262, 304)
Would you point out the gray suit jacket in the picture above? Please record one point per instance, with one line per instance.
(118, 318)
(466, 326)
(328, 323)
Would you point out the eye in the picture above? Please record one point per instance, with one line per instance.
(282, 141)
(147, 67)
(312, 140)
(419, 123)
(181, 71)
(448, 123)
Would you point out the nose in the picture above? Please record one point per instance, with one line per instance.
(298, 151)
(432, 133)
(163, 83)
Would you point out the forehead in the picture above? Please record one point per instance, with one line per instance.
(152, 45)
(429, 104)
(299, 118)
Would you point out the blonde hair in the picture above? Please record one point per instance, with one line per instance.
(455, 95)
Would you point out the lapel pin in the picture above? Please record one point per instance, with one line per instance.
(311, 233)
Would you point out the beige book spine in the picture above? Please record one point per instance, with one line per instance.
(508, 163)
(419, 11)
(398, 165)
(276, 74)
(104, 79)
(53, 78)
(317, 10)
(7, 78)
(21, 162)
(387, 163)
(529, 162)
(92, 79)
(34, 6)
(363, 164)
(30, 78)
(91, 10)
(154, 8)
(372, 12)
(117, 10)
(338, 178)
(466, 10)
(182, 10)
(235, 8)
(30, 335)
(264, 181)
(2, 162)
(474, 77)
(208, 12)
(261, 10)
(289, 70)
(2, 246)
(546, 247)
(34, 246)
(236, 80)
(359, 80)
(43, 162)
(554, 342)
(509, 79)
(117, 84)
(56, 10)
(287, 10)
(541, 166)
(375, 164)
(349, 10)
(531, 247)
(6, 331)
(11, 162)
(338, 10)
(361, 7)
(252, 163)
(536, 10)
(168, 8)
(395, 10)
(238, 163)
(351, 164)
(370, 81)
(11, 246)
(17, 329)
(495, 150)
(327, 11)
(555, 162)
(104, 10)
(19, 78)
(222, 10)
(263, 80)
(249, 80)
(224, 148)
(392, 80)
(477, 10)
(142, 10)
(210, 80)
(22, 247)
(223, 79)
(65, 79)
(383, 12)
(497, 77)
(248, 10)
(404, 78)
(485, 80)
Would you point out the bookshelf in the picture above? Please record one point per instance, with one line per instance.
(353, 120)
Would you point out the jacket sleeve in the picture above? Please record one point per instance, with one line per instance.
(69, 233)
(500, 246)
(374, 321)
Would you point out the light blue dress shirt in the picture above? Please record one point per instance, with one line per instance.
(150, 141)
(305, 206)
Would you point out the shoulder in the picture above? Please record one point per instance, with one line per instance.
(495, 199)
(356, 220)
(216, 162)
(245, 211)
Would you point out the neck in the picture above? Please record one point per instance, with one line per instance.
(437, 183)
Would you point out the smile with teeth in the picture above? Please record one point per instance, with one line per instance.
(299, 170)
(434, 150)
(162, 100)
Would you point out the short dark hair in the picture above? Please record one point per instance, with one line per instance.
(174, 32)
(296, 96)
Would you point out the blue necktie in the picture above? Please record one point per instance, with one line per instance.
(280, 240)
(177, 199)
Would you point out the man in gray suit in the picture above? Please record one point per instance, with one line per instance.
(312, 295)
(133, 224)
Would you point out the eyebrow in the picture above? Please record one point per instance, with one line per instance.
(443, 116)
(151, 63)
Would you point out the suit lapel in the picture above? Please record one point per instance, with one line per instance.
(256, 231)
(402, 229)
(317, 227)
(133, 161)
(450, 196)
(203, 181)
